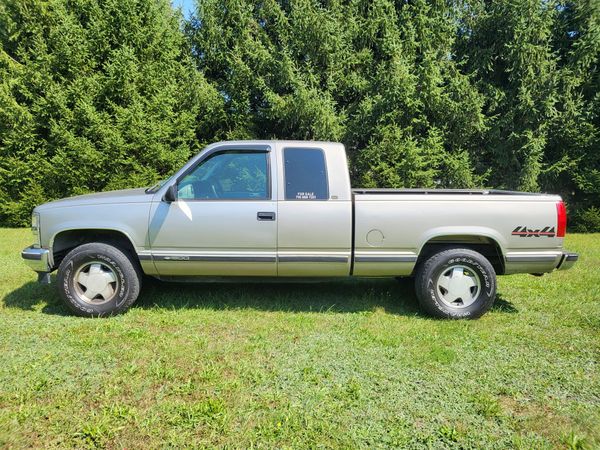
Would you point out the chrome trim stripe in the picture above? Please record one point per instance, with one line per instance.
(315, 258)
(215, 258)
(387, 259)
(225, 258)
(531, 258)
(280, 258)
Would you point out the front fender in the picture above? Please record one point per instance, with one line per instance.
(130, 219)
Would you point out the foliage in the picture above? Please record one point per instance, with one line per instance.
(376, 76)
(500, 94)
(588, 220)
(537, 65)
(95, 95)
(103, 94)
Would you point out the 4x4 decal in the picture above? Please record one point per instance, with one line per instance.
(523, 231)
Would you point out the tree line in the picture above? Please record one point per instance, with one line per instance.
(108, 94)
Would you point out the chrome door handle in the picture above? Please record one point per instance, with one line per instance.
(265, 215)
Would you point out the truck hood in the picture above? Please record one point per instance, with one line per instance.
(137, 195)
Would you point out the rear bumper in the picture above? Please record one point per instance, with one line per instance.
(37, 258)
(539, 261)
(567, 260)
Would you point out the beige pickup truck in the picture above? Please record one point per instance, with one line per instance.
(286, 209)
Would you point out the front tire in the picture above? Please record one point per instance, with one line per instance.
(456, 284)
(98, 280)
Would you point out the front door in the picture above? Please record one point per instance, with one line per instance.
(224, 221)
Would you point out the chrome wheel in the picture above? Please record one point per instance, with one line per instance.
(458, 286)
(96, 283)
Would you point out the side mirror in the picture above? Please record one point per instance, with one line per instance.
(171, 194)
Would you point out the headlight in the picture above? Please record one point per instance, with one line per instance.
(35, 229)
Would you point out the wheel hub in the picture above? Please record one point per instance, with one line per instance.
(458, 286)
(96, 283)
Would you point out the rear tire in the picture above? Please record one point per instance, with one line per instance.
(98, 280)
(456, 284)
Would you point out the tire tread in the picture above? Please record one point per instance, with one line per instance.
(424, 271)
(130, 267)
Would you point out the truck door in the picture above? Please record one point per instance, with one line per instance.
(224, 221)
(315, 211)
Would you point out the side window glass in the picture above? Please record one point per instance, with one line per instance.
(228, 176)
(305, 174)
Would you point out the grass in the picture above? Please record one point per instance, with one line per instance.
(349, 364)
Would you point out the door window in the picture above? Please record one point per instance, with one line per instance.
(305, 174)
(231, 175)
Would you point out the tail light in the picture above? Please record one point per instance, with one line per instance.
(561, 219)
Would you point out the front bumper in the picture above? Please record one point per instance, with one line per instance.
(37, 258)
(567, 260)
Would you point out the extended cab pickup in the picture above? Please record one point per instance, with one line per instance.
(286, 209)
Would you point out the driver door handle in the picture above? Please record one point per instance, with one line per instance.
(263, 215)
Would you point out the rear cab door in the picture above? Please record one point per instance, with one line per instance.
(314, 234)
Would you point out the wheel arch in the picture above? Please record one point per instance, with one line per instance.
(67, 239)
(484, 243)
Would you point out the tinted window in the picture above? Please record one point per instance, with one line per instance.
(228, 176)
(305, 174)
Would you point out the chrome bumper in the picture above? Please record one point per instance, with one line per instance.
(567, 260)
(37, 258)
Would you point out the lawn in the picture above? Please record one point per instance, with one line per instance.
(348, 364)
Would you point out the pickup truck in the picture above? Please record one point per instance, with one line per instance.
(286, 209)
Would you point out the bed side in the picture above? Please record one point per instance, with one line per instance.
(394, 230)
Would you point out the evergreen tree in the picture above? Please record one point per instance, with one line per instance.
(572, 156)
(378, 75)
(507, 46)
(95, 95)
(537, 64)
(102, 94)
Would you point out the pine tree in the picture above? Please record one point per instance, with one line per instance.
(379, 76)
(537, 64)
(95, 95)
(102, 94)
(572, 156)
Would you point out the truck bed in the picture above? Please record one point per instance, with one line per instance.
(391, 226)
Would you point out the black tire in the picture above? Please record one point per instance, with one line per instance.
(430, 294)
(110, 260)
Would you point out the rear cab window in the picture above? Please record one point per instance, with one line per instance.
(305, 174)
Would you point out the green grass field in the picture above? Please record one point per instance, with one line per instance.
(349, 364)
